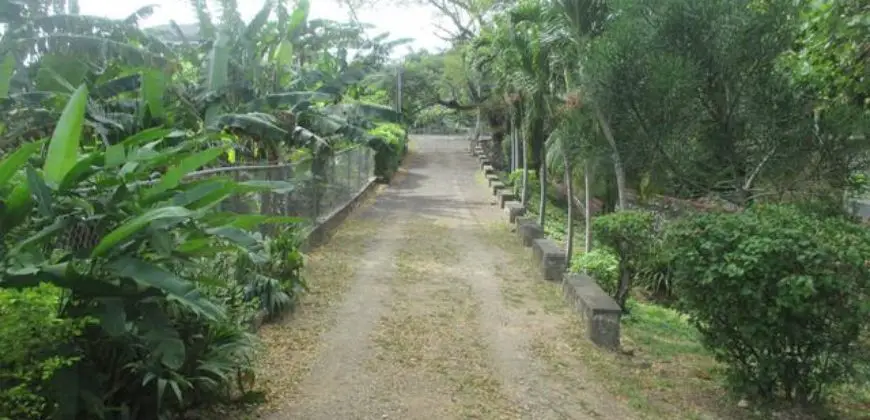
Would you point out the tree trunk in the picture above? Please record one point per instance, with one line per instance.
(525, 189)
(617, 160)
(624, 285)
(542, 176)
(569, 180)
(587, 203)
(515, 145)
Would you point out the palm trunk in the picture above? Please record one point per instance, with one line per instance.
(515, 147)
(587, 203)
(617, 160)
(525, 191)
(542, 175)
(569, 179)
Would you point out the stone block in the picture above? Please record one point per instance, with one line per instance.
(550, 258)
(492, 178)
(505, 196)
(483, 163)
(519, 221)
(599, 312)
(529, 231)
(513, 210)
(496, 187)
(488, 169)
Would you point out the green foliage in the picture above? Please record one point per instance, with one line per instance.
(630, 235)
(390, 143)
(515, 179)
(600, 264)
(34, 344)
(120, 245)
(779, 295)
(273, 276)
(831, 56)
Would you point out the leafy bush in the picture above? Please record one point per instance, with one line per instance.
(600, 264)
(34, 344)
(630, 235)
(779, 295)
(389, 142)
(515, 179)
(272, 276)
(152, 340)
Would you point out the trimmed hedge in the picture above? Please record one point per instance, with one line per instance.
(390, 143)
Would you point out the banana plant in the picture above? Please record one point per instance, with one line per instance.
(99, 225)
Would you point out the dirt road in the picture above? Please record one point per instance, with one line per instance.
(424, 306)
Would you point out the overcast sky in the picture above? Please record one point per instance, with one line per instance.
(401, 22)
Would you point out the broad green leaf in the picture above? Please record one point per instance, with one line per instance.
(298, 19)
(161, 241)
(146, 136)
(187, 165)
(284, 53)
(58, 225)
(235, 235)
(82, 204)
(171, 353)
(217, 74)
(148, 274)
(80, 170)
(41, 192)
(13, 162)
(18, 205)
(7, 69)
(248, 221)
(211, 199)
(63, 149)
(153, 88)
(201, 247)
(116, 155)
(113, 317)
(135, 224)
(252, 32)
(198, 191)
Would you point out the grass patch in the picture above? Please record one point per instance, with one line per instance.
(555, 222)
(669, 375)
(667, 372)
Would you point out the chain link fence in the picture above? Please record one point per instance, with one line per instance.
(314, 195)
(440, 130)
(319, 188)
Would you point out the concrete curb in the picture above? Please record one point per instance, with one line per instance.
(598, 312)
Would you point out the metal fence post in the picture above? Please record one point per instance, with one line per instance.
(348, 161)
(368, 175)
(330, 186)
(359, 183)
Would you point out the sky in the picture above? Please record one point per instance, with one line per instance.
(401, 22)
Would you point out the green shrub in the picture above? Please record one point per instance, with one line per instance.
(779, 295)
(515, 179)
(389, 141)
(274, 276)
(600, 264)
(153, 341)
(34, 345)
(630, 235)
